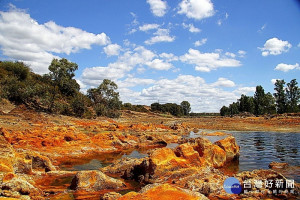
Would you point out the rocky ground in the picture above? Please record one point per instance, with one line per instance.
(34, 147)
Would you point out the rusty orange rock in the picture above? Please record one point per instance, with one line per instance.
(211, 153)
(163, 192)
(187, 152)
(230, 146)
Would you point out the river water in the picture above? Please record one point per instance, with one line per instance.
(257, 151)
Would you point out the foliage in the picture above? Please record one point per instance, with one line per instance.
(284, 100)
(137, 108)
(105, 99)
(280, 96)
(292, 96)
(186, 107)
(171, 108)
(57, 91)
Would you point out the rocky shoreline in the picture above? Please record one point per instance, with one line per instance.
(33, 146)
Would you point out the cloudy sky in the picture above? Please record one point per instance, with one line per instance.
(207, 52)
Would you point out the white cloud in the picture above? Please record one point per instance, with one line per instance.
(285, 67)
(159, 64)
(168, 57)
(112, 49)
(224, 82)
(242, 53)
(158, 7)
(196, 9)
(206, 62)
(229, 54)
(133, 81)
(219, 22)
(161, 35)
(184, 87)
(244, 90)
(200, 42)
(147, 27)
(140, 56)
(191, 28)
(275, 46)
(24, 39)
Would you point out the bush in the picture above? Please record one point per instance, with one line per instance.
(78, 105)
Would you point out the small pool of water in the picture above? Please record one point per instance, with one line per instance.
(103, 160)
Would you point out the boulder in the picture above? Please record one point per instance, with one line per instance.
(16, 187)
(165, 192)
(111, 196)
(7, 156)
(212, 154)
(95, 181)
(278, 165)
(230, 146)
(187, 152)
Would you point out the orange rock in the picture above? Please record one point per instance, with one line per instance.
(163, 192)
(7, 156)
(187, 152)
(211, 153)
(166, 157)
(95, 181)
(230, 146)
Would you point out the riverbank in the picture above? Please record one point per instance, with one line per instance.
(37, 148)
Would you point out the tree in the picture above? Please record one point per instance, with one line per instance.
(234, 108)
(280, 97)
(259, 98)
(186, 107)
(224, 111)
(62, 74)
(269, 104)
(246, 104)
(105, 98)
(292, 96)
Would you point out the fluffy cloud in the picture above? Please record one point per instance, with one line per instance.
(112, 49)
(205, 62)
(159, 64)
(184, 87)
(133, 81)
(224, 82)
(24, 39)
(147, 27)
(139, 57)
(168, 57)
(158, 7)
(244, 90)
(242, 53)
(275, 46)
(161, 35)
(200, 42)
(196, 9)
(285, 67)
(191, 28)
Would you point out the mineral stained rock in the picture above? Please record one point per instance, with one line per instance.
(165, 192)
(95, 181)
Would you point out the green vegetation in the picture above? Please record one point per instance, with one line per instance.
(285, 100)
(57, 91)
(136, 108)
(172, 108)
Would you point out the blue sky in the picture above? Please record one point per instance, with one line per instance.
(207, 52)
